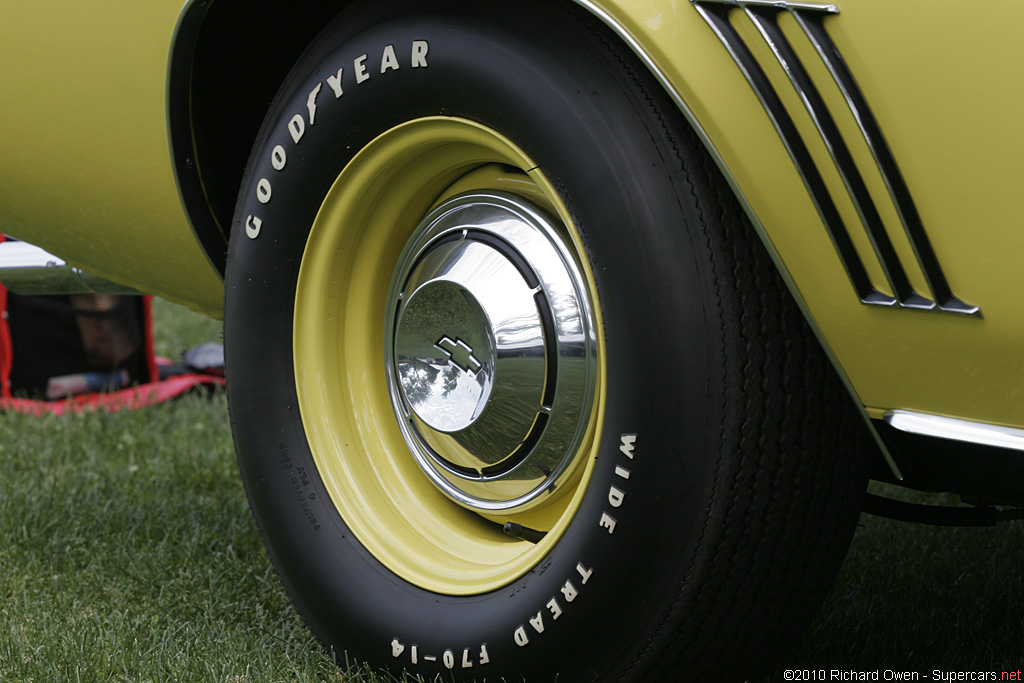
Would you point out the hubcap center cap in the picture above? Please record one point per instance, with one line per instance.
(469, 347)
(491, 352)
(445, 382)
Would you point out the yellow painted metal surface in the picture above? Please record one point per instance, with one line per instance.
(945, 91)
(85, 170)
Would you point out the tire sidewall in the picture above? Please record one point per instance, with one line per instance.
(555, 92)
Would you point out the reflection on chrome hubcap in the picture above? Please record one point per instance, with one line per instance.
(491, 352)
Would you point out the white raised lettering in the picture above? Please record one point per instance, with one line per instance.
(415, 654)
(569, 591)
(297, 126)
(584, 572)
(419, 53)
(278, 158)
(466, 663)
(252, 226)
(622, 472)
(520, 636)
(335, 83)
(388, 60)
(263, 191)
(397, 648)
(359, 65)
(627, 445)
(449, 659)
(311, 103)
(608, 522)
(537, 622)
(484, 657)
(615, 497)
(556, 610)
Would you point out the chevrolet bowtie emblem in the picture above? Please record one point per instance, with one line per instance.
(460, 353)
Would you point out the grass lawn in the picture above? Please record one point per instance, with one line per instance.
(127, 553)
(922, 598)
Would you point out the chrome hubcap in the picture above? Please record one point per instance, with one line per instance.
(492, 352)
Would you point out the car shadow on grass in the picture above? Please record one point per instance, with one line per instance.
(916, 598)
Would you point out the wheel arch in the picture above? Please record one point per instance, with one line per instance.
(228, 59)
(226, 54)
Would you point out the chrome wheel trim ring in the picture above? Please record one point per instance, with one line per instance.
(491, 352)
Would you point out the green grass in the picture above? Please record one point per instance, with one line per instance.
(919, 598)
(127, 553)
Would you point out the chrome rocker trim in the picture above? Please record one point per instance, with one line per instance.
(956, 429)
(29, 270)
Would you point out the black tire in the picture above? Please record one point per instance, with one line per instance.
(744, 457)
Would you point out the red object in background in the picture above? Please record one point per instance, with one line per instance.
(147, 387)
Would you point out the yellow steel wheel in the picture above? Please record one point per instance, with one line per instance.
(399, 508)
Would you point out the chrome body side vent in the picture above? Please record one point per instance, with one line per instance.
(764, 15)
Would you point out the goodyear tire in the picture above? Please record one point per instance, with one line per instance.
(515, 390)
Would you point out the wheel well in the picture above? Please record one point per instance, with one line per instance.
(228, 61)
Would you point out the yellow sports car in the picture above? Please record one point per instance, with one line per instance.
(562, 336)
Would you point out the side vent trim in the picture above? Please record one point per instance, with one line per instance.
(764, 15)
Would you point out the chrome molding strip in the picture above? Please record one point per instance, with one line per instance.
(776, 4)
(29, 270)
(810, 17)
(956, 429)
(623, 33)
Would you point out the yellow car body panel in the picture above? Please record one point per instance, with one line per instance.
(941, 88)
(86, 172)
